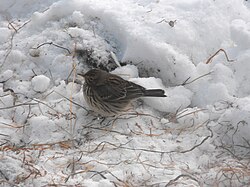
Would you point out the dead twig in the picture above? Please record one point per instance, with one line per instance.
(14, 106)
(3, 175)
(72, 101)
(171, 23)
(193, 112)
(51, 43)
(205, 139)
(181, 176)
(210, 58)
(11, 26)
(186, 81)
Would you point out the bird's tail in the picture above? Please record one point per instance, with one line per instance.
(154, 93)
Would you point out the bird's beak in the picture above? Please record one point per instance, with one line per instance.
(81, 74)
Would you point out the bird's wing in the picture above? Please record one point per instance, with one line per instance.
(112, 89)
(134, 90)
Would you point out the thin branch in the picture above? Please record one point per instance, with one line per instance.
(14, 106)
(185, 82)
(51, 43)
(171, 23)
(11, 39)
(205, 139)
(12, 26)
(4, 176)
(193, 112)
(181, 176)
(72, 101)
(210, 58)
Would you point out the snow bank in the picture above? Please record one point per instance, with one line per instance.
(40, 83)
(190, 137)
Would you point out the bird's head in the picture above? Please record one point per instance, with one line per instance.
(92, 76)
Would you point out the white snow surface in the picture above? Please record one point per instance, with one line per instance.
(199, 135)
(40, 83)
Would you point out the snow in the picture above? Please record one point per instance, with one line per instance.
(196, 136)
(40, 83)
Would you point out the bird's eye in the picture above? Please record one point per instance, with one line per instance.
(90, 78)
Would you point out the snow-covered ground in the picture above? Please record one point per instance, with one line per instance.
(197, 136)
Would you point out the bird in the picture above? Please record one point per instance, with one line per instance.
(108, 94)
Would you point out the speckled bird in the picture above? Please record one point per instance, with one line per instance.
(108, 94)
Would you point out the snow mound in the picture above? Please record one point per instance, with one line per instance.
(40, 83)
(196, 136)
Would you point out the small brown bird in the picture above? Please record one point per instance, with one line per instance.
(108, 94)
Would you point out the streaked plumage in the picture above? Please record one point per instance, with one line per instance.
(108, 94)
